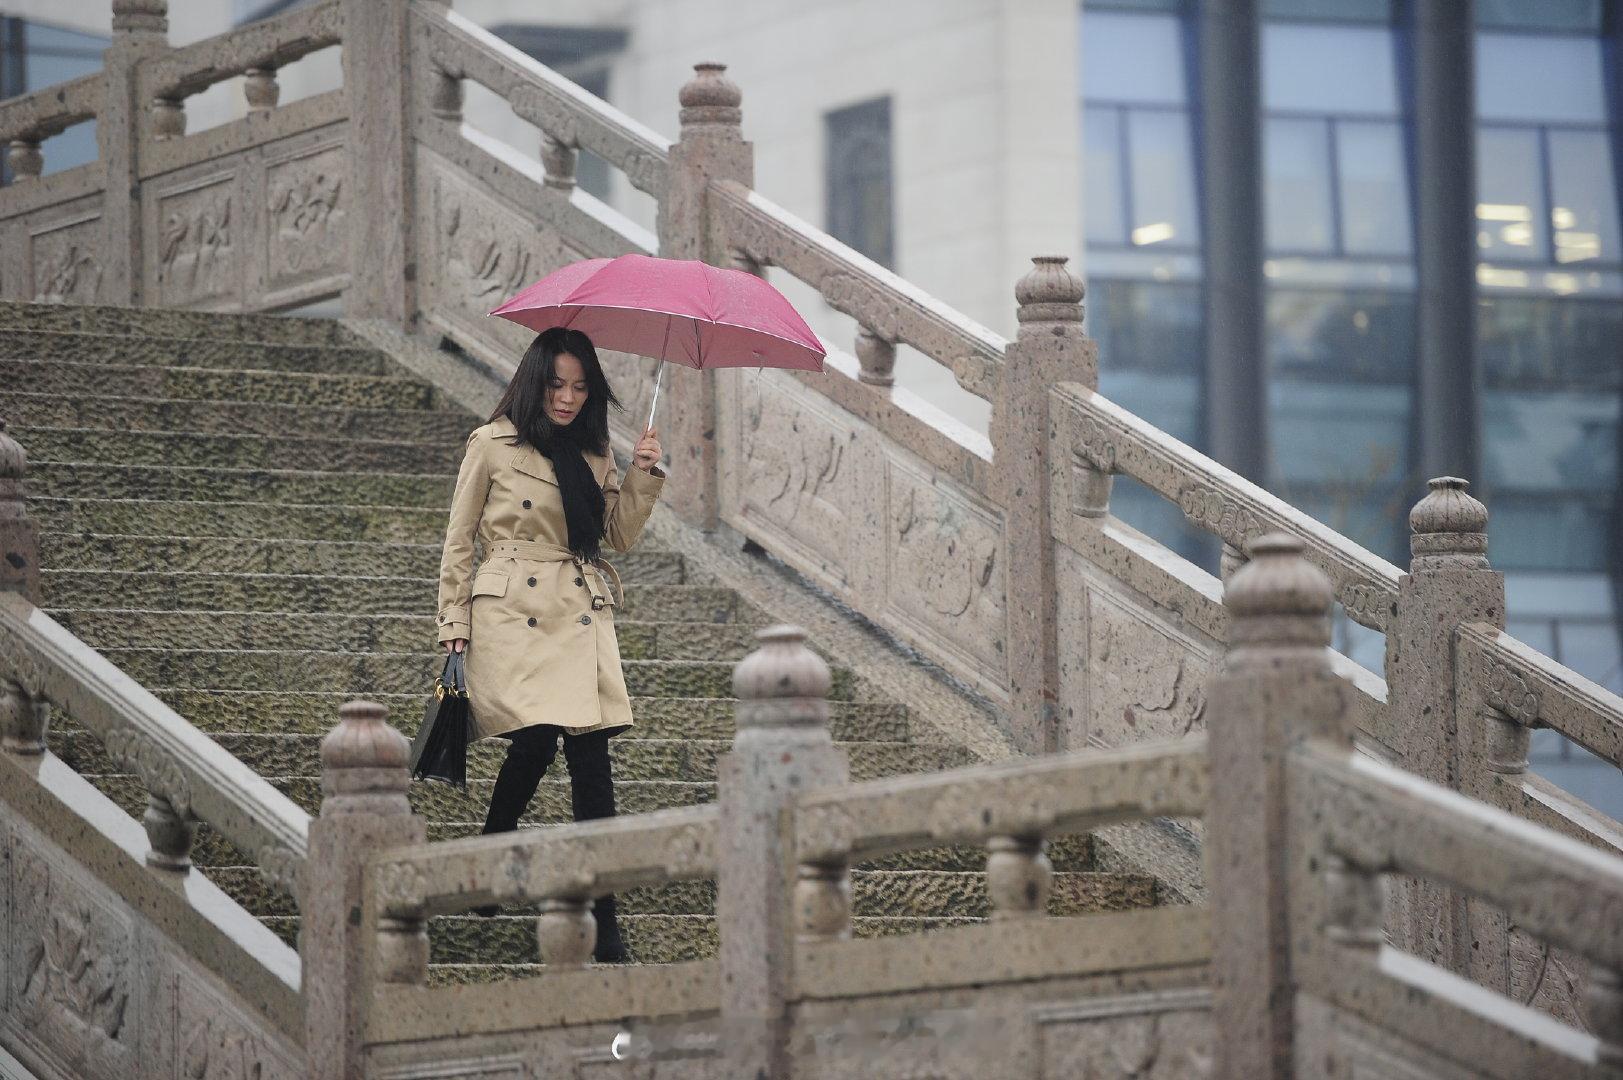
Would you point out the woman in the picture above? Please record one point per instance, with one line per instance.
(540, 491)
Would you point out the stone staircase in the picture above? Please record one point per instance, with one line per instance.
(244, 514)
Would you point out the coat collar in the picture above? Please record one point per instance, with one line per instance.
(531, 462)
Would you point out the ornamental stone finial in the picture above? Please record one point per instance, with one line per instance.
(1049, 292)
(363, 757)
(1449, 528)
(783, 683)
(1278, 598)
(710, 97)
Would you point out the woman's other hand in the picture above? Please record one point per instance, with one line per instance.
(648, 452)
(456, 644)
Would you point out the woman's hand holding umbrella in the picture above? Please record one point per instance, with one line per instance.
(648, 452)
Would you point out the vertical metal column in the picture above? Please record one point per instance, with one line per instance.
(1230, 103)
(1447, 384)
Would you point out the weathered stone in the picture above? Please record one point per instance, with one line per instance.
(202, 384)
(183, 352)
(191, 450)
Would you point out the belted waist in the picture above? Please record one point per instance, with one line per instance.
(541, 551)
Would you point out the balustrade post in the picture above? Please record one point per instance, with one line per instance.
(1049, 349)
(140, 32)
(711, 147)
(384, 222)
(1449, 584)
(25, 159)
(364, 780)
(23, 715)
(782, 748)
(1274, 691)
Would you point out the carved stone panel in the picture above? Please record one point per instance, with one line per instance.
(70, 985)
(1550, 980)
(1144, 681)
(215, 1043)
(65, 260)
(198, 261)
(1140, 1037)
(306, 198)
(796, 478)
(945, 572)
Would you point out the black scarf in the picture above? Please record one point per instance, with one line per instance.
(583, 498)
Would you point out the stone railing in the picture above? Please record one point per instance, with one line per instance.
(1284, 971)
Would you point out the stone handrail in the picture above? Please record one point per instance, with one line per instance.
(190, 778)
(889, 308)
(262, 46)
(570, 117)
(34, 117)
(1094, 433)
(1524, 686)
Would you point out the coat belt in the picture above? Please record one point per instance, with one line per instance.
(541, 551)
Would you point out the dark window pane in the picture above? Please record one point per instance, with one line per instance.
(1329, 10)
(1133, 58)
(1374, 192)
(1584, 193)
(1133, 5)
(1510, 196)
(1103, 214)
(1163, 179)
(1581, 16)
(1297, 211)
(857, 142)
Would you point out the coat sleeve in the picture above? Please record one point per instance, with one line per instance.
(456, 563)
(626, 505)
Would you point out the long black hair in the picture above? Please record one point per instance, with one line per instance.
(524, 403)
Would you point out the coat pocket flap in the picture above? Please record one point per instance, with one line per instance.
(490, 583)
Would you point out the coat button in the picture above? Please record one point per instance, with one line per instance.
(586, 620)
(580, 581)
(532, 583)
(532, 622)
(526, 504)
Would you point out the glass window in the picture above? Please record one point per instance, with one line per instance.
(1339, 69)
(858, 190)
(1584, 195)
(1162, 179)
(1132, 58)
(1329, 10)
(1374, 194)
(1572, 15)
(1298, 213)
(1103, 214)
(1510, 196)
(1527, 77)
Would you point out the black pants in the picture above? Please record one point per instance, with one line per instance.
(531, 753)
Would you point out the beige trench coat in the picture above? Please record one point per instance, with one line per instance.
(539, 623)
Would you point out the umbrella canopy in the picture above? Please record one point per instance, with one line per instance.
(683, 311)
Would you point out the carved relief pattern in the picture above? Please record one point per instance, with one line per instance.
(1367, 604)
(645, 172)
(307, 231)
(214, 1044)
(1092, 444)
(195, 252)
(691, 850)
(1172, 1045)
(281, 869)
(1212, 510)
(1507, 691)
(823, 830)
(157, 768)
(71, 978)
(1550, 980)
(1144, 684)
(543, 108)
(856, 298)
(65, 264)
(793, 479)
(400, 888)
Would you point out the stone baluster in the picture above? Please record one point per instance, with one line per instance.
(1274, 691)
(1018, 876)
(140, 33)
(782, 748)
(822, 901)
(364, 780)
(171, 830)
(23, 714)
(566, 931)
(711, 146)
(558, 158)
(168, 118)
(1449, 584)
(876, 358)
(261, 89)
(445, 94)
(1230, 561)
(25, 159)
(1357, 905)
(1050, 348)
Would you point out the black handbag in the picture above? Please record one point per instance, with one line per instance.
(440, 751)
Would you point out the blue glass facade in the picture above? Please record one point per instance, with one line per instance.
(34, 55)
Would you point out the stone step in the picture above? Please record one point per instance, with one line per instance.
(256, 520)
(185, 591)
(171, 322)
(308, 713)
(203, 384)
(67, 480)
(84, 347)
(639, 759)
(192, 449)
(360, 674)
(247, 555)
(272, 419)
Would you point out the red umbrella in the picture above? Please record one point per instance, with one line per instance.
(681, 311)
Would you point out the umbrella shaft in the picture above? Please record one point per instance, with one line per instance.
(655, 403)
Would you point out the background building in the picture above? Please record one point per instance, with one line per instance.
(951, 140)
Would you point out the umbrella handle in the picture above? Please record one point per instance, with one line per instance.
(655, 403)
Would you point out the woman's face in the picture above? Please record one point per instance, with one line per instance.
(566, 393)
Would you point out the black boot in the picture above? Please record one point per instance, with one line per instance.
(610, 948)
(530, 752)
(591, 796)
